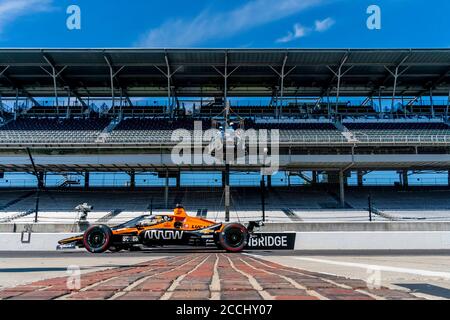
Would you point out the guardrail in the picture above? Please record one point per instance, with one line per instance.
(403, 139)
(291, 139)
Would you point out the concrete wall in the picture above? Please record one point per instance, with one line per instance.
(390, 226)
(428, 240)
(270, 227)
(38, 241)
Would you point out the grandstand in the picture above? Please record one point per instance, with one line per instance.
(338, 112)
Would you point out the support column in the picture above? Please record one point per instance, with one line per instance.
(166, 191)
(263, 198)
(432, 103)
(396, 74)
(339, 74)
(449, 178)
(227, 192)
(41, 180)
(280, 110)
(269, 181)
(112, 76)
(16, 105)
(314, 177)
(341, 188)
(225, 76)
(360, 178)
(178, 180)
(132, 179)
(283, 74)
(405, 178)
(448, 105)
(86, 180)
(223, 179)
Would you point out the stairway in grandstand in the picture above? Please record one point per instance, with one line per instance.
(68, 181)
(110, 216)
(338, 200)
(345, 132)
(291, 214)
(103, 136)
(10, 218)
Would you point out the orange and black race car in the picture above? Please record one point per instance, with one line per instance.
(157, 230)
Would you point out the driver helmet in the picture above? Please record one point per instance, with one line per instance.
(179, 210)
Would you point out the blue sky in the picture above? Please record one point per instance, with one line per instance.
(225, 23)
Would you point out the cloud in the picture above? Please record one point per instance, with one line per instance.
(10, 10)
(324, 25)
(299, 32)
(208, 25)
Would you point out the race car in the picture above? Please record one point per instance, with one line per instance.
(158, 230)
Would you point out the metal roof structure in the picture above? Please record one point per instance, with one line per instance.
(206, 72)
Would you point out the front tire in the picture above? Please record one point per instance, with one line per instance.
(97, 239)
(233, 237)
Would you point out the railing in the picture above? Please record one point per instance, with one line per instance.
(89, 138)
(403, 139)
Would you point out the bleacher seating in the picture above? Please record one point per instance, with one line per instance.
(301, 131)
(426, 110)
(254, 111)
(348, 110)
(50, 111)
(400, 131)
(57, 206)
(156, 130)
(51, 130)
(136, 111)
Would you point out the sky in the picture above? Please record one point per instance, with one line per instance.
(225, 24)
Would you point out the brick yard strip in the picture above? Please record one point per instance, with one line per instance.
(202, 277)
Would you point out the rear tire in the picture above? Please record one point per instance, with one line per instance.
(233, 237)
(97, 239)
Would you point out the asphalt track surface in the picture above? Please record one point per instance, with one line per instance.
(209, 275)
(183, 250)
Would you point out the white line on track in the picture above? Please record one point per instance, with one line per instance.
(291, 281)
(340, 285)
(255, 284)
(420, 272)
(168, 294)
(214, 287)
(145, 278)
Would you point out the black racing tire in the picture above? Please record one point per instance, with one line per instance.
(233, 237)
(97, 239)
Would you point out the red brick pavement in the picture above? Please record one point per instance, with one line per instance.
(204, 276)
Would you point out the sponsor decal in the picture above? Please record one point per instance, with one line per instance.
(130, 239)
(163, 234)
(272, 241)
(66, 246)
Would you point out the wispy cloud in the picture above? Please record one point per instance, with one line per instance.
(301, 31)
(209, 25)
(324, 25)
(298, 32)
(10, 10)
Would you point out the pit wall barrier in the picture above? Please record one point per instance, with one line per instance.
(335, 241)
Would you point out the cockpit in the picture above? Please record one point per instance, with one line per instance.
(145, 220)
